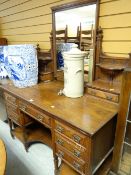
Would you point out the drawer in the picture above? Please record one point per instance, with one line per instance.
(76, 150)
(71, 133)
(105, 95)
(19, 118)
(73, 162)
(9, 98)
(15, 117)
(34, 113)
(11, 108)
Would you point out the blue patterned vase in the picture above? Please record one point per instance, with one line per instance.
(21, 64)
(3, 72)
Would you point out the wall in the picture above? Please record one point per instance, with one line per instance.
(115, 19)
(30, 21)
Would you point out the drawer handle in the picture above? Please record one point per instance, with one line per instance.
(39, 117)
(60, 154)
(76, 138)
(77, 153)
(23, 108)
(60, 129)
(108, 97)
(60, 142)
(76, 165)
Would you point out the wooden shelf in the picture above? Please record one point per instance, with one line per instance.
(111, 67)
(105, 86)
(45, 59)
(66, 169)
(35, 133)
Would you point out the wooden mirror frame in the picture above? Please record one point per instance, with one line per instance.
(68, 6)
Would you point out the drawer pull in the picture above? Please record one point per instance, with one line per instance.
(76, 165)
(108, 97)
(23, 108)
(60, 129)
(77, 153)
(60, 154)
(39, 117)
(76, 138)
(60, 142)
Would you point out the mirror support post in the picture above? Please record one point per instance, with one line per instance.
(53, 45)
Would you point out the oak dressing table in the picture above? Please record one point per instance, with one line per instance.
(80, 131)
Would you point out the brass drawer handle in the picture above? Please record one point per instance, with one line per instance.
(109, 98)
(76, 138)
(60, 142)
(60, 129)
(77, 153)
(23, 107)
(60, 154)
(76, 165)
(39, 117)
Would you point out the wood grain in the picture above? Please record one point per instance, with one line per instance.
(86, 113)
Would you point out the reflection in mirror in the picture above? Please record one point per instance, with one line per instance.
(76, 25)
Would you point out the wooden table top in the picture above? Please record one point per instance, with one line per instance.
(87, 113)
(2, 158)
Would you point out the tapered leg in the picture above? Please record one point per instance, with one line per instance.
(25, 136)
(56, 164)
(11, 128)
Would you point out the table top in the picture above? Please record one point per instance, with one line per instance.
(86, 113)
(2, 158)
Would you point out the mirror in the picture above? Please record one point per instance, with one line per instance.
(75, 22)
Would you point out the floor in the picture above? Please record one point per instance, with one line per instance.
(125, 166)
(39, 159)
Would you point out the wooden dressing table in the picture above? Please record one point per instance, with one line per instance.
(80, 131)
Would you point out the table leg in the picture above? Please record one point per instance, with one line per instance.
(11, 127)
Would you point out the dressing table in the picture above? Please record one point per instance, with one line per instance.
(80, 131)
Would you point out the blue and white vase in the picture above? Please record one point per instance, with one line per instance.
(3, 72)
(62, 47)
(21, 64)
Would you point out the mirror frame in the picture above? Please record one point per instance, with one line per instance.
(68, 6)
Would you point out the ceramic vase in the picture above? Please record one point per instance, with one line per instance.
(21, 64)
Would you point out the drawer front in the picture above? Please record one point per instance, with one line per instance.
(18, 118)
(15, 114)
(41, 117)
(76, 150)
(15, 117)
(105, 95)
(9, 98)
(69, 132)
(12, 108)
(72, 161)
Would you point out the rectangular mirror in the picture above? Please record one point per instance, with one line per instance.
(75, 22)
